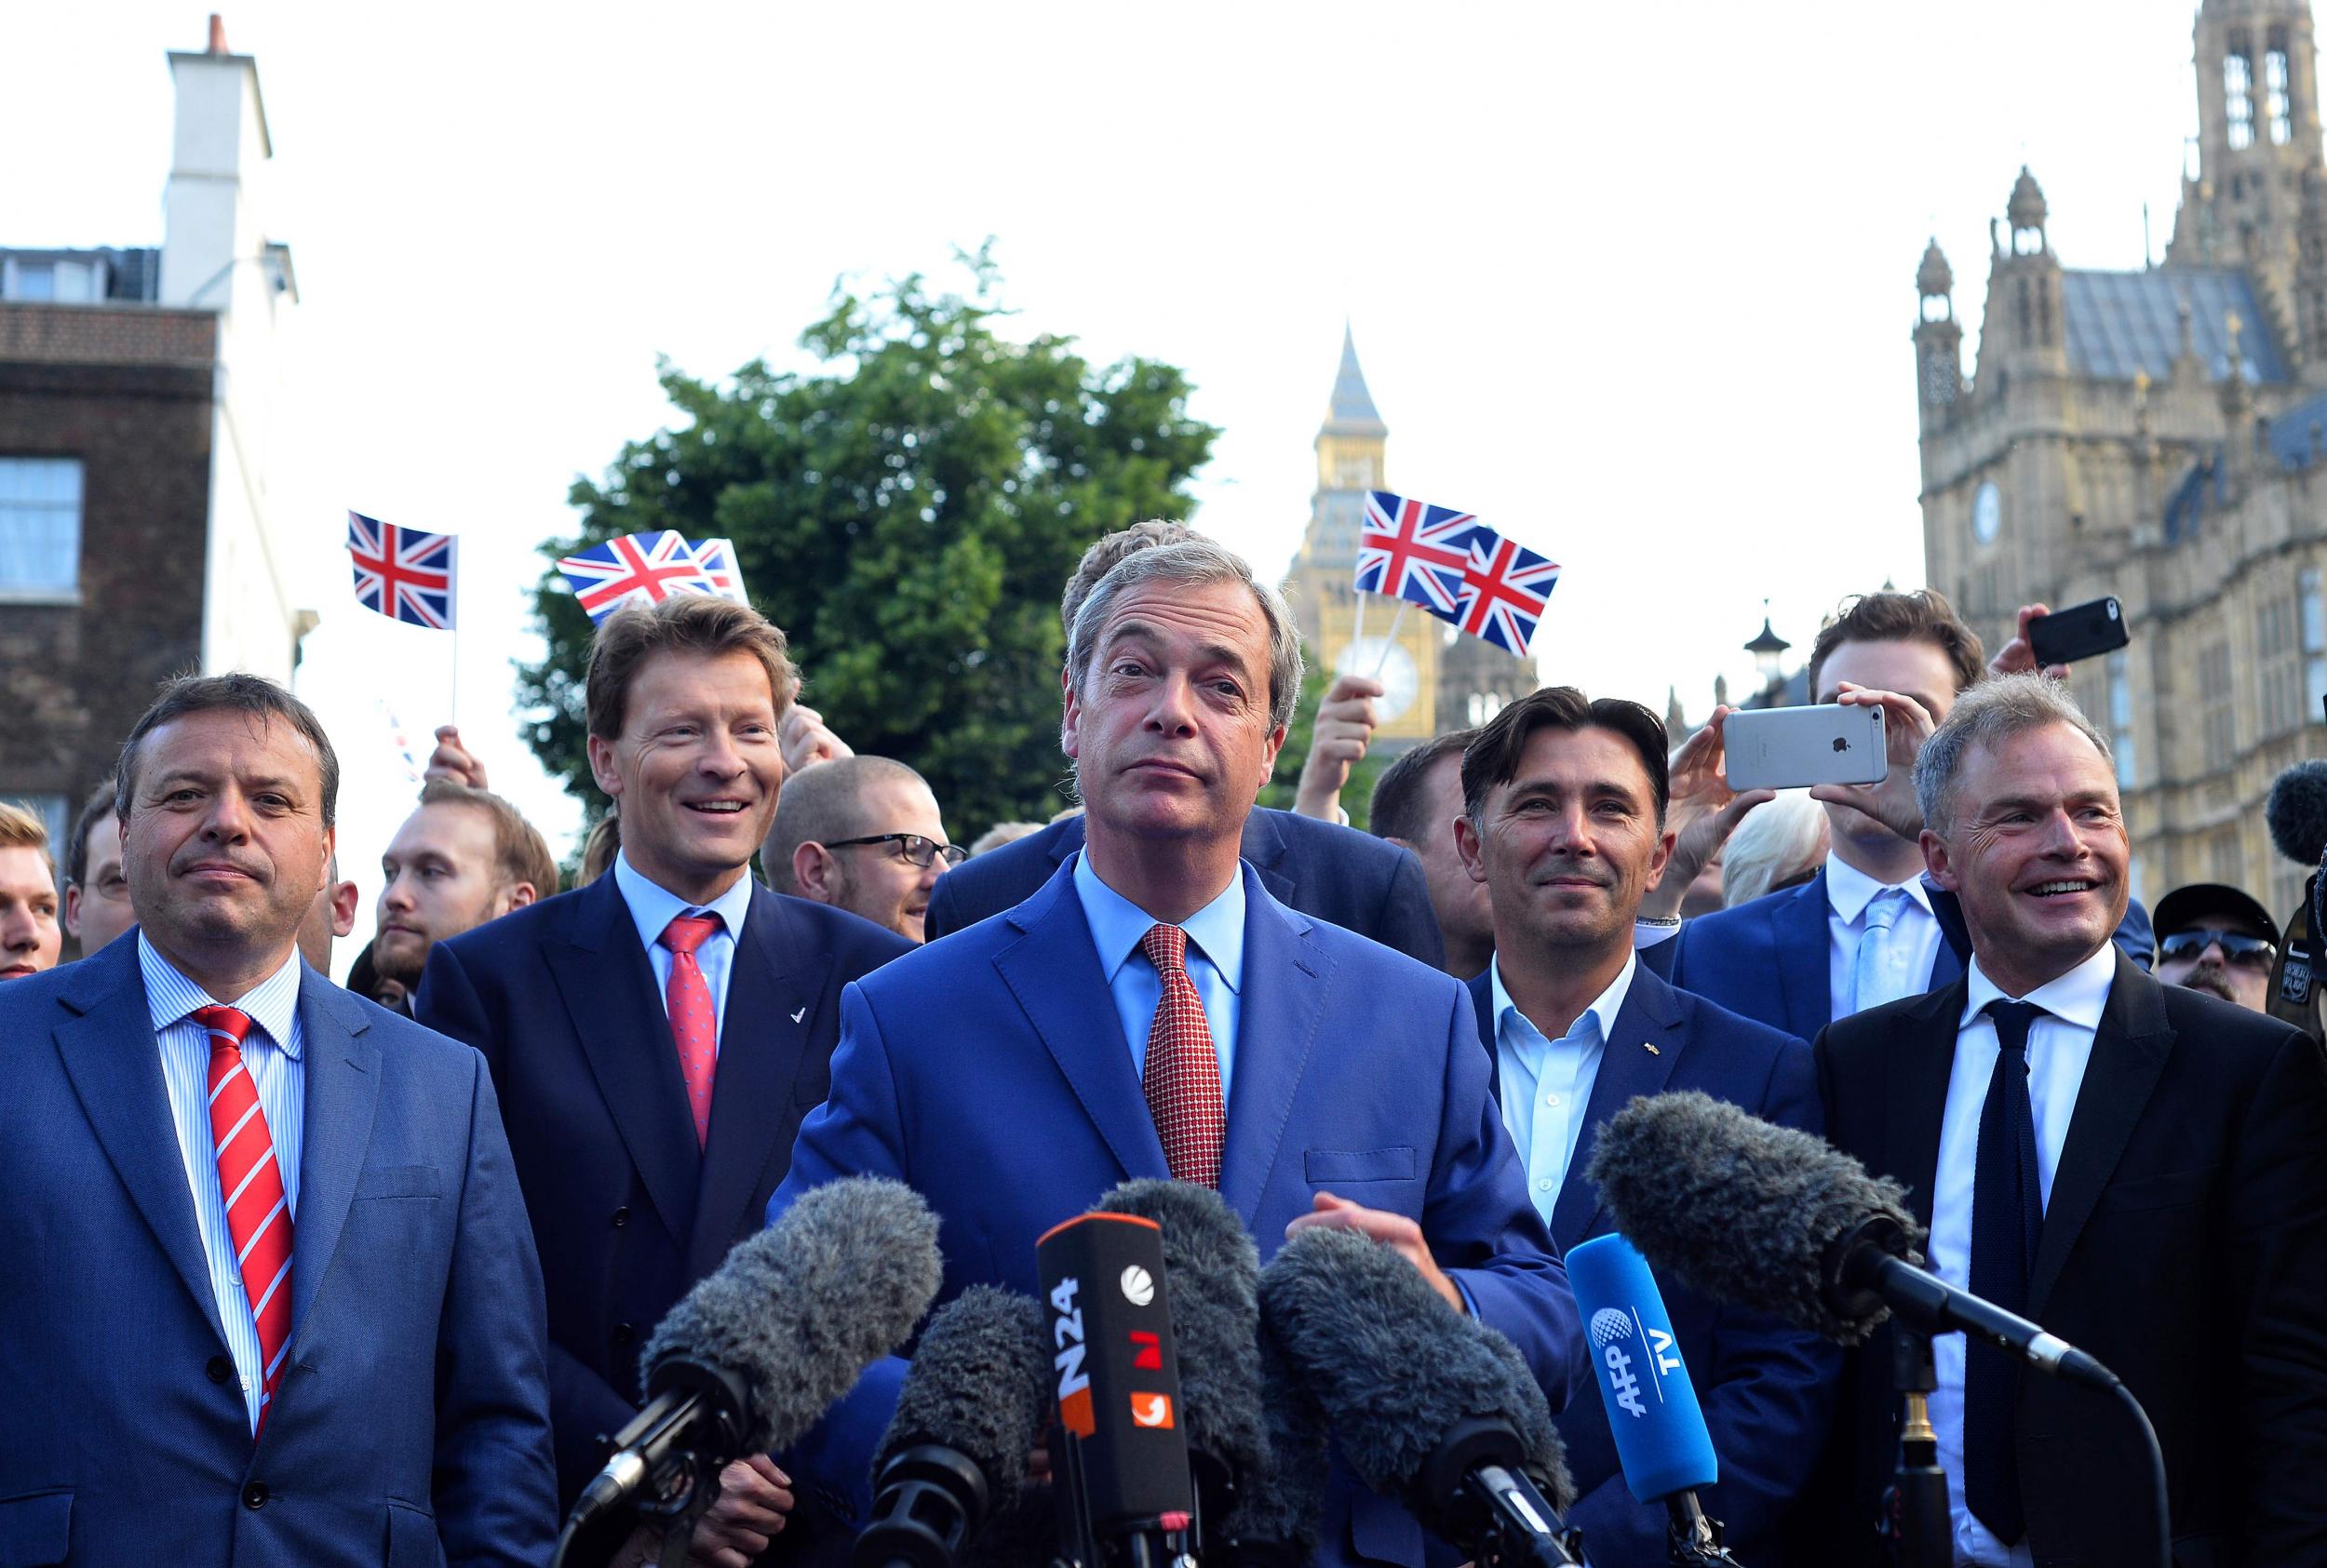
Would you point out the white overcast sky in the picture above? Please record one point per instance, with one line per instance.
(1634, 283)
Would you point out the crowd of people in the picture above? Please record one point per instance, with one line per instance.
(304, 1269)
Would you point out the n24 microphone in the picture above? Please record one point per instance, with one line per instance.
(757, 1352)
(1125, 1495)
(1652, 1412)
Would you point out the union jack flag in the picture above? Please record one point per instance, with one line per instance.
(402, 572)
(1413, 551)
(1505, 588)
(717, 560)
(647, 568)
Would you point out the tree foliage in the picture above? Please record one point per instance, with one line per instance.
(908, 513)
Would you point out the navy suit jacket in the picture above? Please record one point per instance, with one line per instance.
(628, 1210)
(1768, 958)
(1335, 874)
(1768, 1390)
(412, 1416)
(1015, 1104)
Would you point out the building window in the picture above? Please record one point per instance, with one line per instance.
(2121, 719)
(2228, 857)
(2238, 88)
(2279, 660)
(40, 527)
(2219, 733)
(2276, 104)
(2310, 598)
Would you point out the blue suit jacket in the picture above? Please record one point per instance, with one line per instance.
(989, 1071)
(1768, 1390)
(1335, 874)
(1768, 957)
(628, 1210)
(413, 1411)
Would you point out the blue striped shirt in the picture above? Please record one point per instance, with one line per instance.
(270, 1055)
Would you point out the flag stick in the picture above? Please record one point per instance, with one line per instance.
(1391, 640)
(1357, 631)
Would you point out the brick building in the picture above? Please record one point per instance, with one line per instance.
(136, 394)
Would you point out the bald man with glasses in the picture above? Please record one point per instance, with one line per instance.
(861, 833)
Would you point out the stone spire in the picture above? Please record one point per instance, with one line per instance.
(1353, 412)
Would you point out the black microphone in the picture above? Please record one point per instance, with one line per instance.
(1246, 1511)
(754, 1355)
(1778, 1220)
(972, 1408)
(2297, 815)
(1427, 1404)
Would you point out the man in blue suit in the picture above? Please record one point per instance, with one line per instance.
(270, 1297)
(1320, 868)
(1563, 823)
(657, 1035)
(1153, 1011)
(1870, 927)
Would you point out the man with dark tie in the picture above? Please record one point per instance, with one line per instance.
(271, 1298)
(657, 1035)
(2138, 1168)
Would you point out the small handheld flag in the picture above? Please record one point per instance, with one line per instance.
(1505, 588)
(647, 568)
(717, 557)
(1413, 551)
(402, 572)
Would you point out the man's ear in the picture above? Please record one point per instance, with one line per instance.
(1269, 757)
(602, 767)
(516, 895)
(72, 910)
(1467, 849)
(1070, 721)
(1659, 861)
(344, 899)
(816, 872)
(1938, 863)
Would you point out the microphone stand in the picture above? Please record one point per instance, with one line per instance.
(1692, 1539)
(1915, 1519)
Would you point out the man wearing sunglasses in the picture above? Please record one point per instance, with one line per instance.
(860, 834)
(2217, 939)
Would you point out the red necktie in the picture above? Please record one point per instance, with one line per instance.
(1182, 1078)
(258, 1217)
(694, 1025)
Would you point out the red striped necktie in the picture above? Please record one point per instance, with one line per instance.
(258, 1216)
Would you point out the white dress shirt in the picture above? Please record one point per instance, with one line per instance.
(271, 1054)
(2059, 1045)
(1547, 1083)
(1215, 963)
(1915, 934)
(653, 907)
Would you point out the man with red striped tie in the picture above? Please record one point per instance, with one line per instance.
(271, 1294)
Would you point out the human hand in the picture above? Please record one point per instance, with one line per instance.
(1338, 741)
(750, 1513)
(1394, 1231)
(1701, 815)
(1907, 725)
(2017, 656)
(805, 741)
(452, 760)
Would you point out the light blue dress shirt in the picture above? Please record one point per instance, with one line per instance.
(1216, 962)
(1547, 1083)
(653, 908)
(1915, 934)
(271, 1054)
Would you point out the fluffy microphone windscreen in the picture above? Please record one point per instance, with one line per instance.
(801, 1308)
(979, 1385)
(1394, 1368)
(1739, 1207)
(2297, 812)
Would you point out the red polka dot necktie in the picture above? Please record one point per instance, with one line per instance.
(694, 1025)
(258, 1216)
(1182, 1077)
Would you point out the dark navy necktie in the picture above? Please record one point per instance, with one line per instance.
(2007, 1219)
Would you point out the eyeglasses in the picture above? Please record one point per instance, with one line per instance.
(2244, 952)
(911, 847)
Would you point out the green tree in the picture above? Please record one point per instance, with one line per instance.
(1357, 794)
(908, 513)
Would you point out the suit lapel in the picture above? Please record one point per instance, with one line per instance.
(1651, 1016)
(1917, 1076)
(1278, 1012)
(777, 973)
(109, 1052)
(608, 987)
(342, 1068)
(1054, 972)
(1955, 939)
(2128, 1053)
(1803, 967)
(1263, 849)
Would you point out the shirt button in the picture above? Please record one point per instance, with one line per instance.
(625, 1333)
(1550, 1099)
(218, 1368)
(1543, 1183)
(622, 1216)
(255, 1496)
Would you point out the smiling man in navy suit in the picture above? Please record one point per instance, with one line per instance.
(1563, 821)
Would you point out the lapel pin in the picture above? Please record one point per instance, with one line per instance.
(1651, 1049)
(800, 1014)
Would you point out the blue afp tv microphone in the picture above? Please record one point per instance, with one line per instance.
(1652, 1411)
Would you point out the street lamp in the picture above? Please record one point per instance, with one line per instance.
(1769, 652)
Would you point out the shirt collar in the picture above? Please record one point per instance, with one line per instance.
(652, 906)
(1602, 1012)
(272, 1004)
(1849, 891)
(1117, 925)
(2075, 997)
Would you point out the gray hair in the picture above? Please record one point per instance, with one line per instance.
(1192, 562)
(1991, 713)
(1774, 842)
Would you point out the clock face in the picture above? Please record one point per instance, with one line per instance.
(1987, 512)
(1402, 683)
